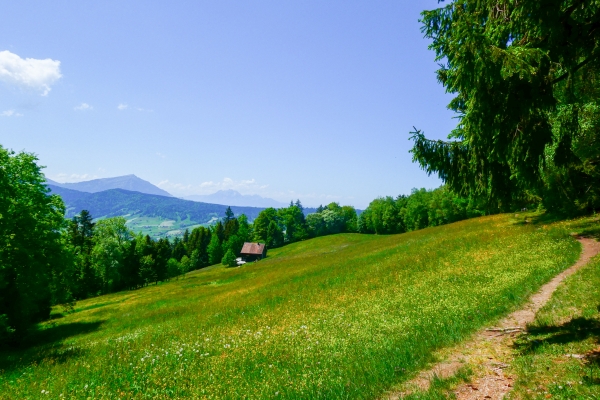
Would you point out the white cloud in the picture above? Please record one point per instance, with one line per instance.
(245, 186)
(29, 72)
(251, 186)
(10, 113)
(123, 106)
(84, 107)
(71, 178)
(161, 155)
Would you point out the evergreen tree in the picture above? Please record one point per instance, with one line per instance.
(245, 230)
(81, 237)
(215, 251)
(229, 259)
(163, 254)
(179, 249)
(231, 228)
(131, 265)
(219, 230)
(229, 215)
(525, 75)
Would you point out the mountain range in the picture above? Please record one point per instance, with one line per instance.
(235, 198)
(126, 182)
(120, 202)
(151, 210)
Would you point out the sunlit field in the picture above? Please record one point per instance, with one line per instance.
(343, 316)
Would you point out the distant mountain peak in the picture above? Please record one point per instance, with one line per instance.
(127, 182)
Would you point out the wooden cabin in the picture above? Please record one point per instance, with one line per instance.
(253, 251)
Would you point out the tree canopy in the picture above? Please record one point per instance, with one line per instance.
(525, 78)
(31, 248)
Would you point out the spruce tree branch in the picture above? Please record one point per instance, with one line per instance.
(577, 68)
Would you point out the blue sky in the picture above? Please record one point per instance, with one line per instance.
(297, 99)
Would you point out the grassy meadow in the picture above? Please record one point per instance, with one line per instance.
(342, 316)
(559, 356)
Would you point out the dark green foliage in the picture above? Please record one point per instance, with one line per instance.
(131, 266)
(163, 254)
(274, 235)
(215, 249)
(231, 228)
(525, 76)
(173, 268)
(179, 249)
(199, 240)
(34, 264)
(81, 238)
(219, 230)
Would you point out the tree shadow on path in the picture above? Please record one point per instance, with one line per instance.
(576, 330)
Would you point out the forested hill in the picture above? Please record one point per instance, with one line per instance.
(119, 202)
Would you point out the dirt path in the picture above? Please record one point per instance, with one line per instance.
(489, 351)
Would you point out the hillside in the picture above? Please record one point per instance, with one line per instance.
(150, 214)
(127, 182)
(341, 316)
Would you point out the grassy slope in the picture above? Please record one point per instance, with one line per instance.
(343, 316)
(568, 325)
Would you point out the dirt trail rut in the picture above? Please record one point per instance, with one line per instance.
(490, 349)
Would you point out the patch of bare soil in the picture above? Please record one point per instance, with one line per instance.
(489, 351)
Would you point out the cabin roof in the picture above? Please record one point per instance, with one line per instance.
(253, 248)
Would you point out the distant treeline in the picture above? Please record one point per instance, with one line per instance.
(420, 209)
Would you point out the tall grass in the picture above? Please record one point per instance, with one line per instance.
(343, 316)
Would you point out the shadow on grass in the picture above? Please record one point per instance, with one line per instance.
(45, 344)
(547, 218)
(576, 330)
(587, 226)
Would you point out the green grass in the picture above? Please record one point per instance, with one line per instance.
(343, 316)
(569, 324)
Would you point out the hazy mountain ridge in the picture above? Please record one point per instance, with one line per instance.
(234, 198)
(126, 182)
(119, 202)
